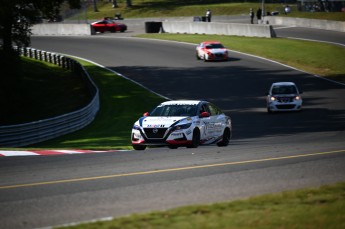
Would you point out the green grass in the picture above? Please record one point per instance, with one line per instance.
(122, 103)
(28, 88)
(176, 8)
(314, 57)
(317, 208)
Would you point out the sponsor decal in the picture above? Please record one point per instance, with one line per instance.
(188, 132)
(155, 126)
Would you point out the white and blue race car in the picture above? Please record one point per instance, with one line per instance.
(182, 123)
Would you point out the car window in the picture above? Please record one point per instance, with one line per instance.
(204, 108)
(214, 110)
(214, 46)
(284, 89)
(175, 110)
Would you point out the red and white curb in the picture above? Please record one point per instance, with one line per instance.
(50, 152)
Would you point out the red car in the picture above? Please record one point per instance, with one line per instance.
(108, 25)
(211, 50)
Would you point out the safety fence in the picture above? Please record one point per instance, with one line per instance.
(42, 130)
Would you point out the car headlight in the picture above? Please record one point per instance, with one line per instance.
(297, 97)
(181, 127)
(273, 98)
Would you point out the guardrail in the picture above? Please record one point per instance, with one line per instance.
(308, 23)
(42, 130)
(62, 29)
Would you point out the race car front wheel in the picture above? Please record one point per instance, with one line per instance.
(196, 139)
(197, 56)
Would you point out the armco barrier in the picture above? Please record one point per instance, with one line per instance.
(61, 29)
(308, 23)
(235, 29)
(42, 130)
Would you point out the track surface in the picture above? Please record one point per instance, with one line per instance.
(269, 153)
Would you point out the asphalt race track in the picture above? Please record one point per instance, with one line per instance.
(268, 153)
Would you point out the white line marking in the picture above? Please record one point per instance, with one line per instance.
(18, 153)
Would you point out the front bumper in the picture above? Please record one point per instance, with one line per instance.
(164, 137)
(217, 56)
(276, 106)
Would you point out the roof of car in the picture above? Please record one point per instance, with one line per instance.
(211, 42)
(283, 83)
(181, 102)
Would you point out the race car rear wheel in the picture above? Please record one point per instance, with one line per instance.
(226, 138)
(139, 147)
(196, 139)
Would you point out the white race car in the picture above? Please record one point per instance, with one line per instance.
(182, 123)
(211, 50)
(284, 96)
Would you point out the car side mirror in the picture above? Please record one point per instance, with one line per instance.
(146, 114)
(205, 114)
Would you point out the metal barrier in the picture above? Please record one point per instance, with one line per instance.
(42, 130)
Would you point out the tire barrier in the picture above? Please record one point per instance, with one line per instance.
(42, 130)
(153, 27)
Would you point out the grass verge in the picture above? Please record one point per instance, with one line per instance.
(171, 8)
(32, 85)
(314, 57)
(122, 102)
(316, 208)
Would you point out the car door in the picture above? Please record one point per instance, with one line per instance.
(217, 121)
(204, 122)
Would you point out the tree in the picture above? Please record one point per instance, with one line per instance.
(95, 6)
(17, 17)
(115, 4)
(129, 3)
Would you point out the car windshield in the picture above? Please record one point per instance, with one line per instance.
(284, 89)
(214, 46)
(175, 110)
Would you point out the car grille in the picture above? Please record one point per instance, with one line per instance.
(155, 132)
(288, 106)
(285, 99)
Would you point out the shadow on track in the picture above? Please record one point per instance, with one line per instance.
(240, 92)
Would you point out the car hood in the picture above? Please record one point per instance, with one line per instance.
(284, 95)
(159, 122)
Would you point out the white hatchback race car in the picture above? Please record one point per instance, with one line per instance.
(211, 50)
(284, 96)
(182, 123)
